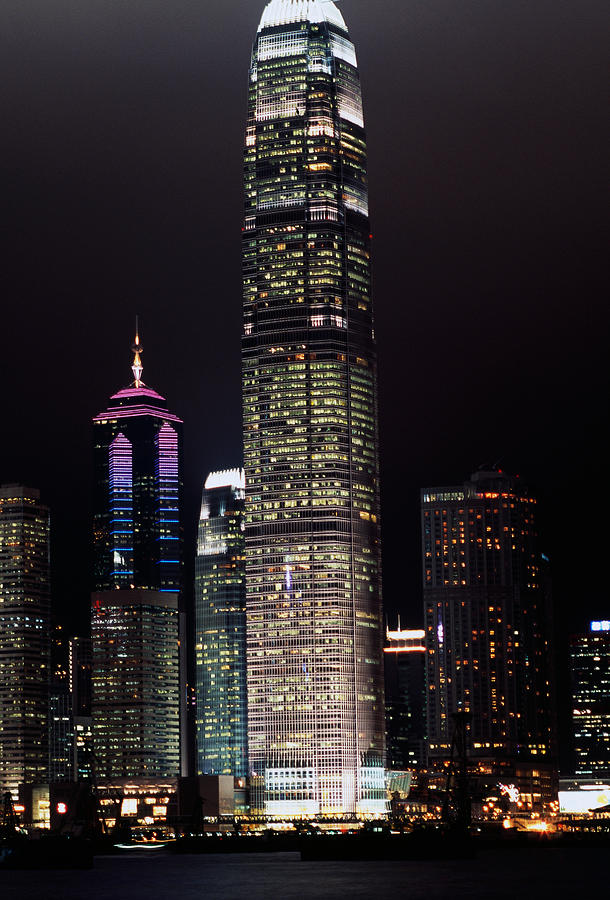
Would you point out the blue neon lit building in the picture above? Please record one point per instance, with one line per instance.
(137, 621)
(138, 490)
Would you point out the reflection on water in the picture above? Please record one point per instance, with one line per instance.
(518, 874)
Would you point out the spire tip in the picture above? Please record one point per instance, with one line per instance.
(137, 367)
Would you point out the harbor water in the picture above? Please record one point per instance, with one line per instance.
(518, 874)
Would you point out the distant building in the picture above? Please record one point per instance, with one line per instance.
(80, 668)
(590, 665)
(405, 698)
(60, 727)
(61, 734)
(80, 664)
(136, 614)
(220, 628)
(488, 627)
(25, 637)
(70, 727)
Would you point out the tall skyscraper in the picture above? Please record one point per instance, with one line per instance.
(136, 615)
(220, 628)
(315, 672)
(590, 663)
(488, 624)
(405, 697)
(25, 637)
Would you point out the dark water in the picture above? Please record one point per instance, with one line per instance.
(519, 874)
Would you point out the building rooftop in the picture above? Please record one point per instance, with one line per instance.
(285, 12)
(18, 492)
(234, 478)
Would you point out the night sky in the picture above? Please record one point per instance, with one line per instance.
(121, 194)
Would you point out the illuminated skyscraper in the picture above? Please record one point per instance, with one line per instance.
(136, 617)
(220, 628)
(488, 623)
(25, 637)
(315, 673)
(590, 658)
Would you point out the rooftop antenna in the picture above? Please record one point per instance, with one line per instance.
(137, 367)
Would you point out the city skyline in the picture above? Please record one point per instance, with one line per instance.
(524, 348)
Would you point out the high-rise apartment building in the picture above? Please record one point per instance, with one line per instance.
(590, 664)
(405, 697)
(136, 615)
(315, 672)
(25, 637)
(220, 628)
(488, 622)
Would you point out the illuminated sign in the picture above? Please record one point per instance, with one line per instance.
(62, 809)
(410, 634)
(510, 791)
(583, 801)
(159, 810)
(600, 626)
(129, 806)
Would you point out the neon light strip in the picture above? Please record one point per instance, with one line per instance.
(120, 486)
(122, 412)
(168, 487)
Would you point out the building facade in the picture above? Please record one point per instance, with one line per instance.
(315, 670)
(220, 628)
(405, 698)
(488, 623)
(590, 668)
(25, 637)
(137, 622)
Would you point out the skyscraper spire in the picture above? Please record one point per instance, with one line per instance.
(137, 367)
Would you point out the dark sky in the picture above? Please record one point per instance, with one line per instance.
(122, 127)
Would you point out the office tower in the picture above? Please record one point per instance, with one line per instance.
(315, 673)
(405, 697)
(220, 628)
(136, 616)
(488, 623)
(25, 638)
(590, 664)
